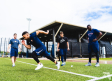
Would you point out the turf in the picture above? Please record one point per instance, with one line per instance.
(26, 72)
(108, 59)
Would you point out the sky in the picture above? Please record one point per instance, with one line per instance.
(14, 14)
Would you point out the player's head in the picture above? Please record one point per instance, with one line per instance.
(61, 34)
(15, 35)
(89, 27)
(26, 35)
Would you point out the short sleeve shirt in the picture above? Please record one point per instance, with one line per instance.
(34, 40)
(92, 35)
(14, 43)
(63, 42)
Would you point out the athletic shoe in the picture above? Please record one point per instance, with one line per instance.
(97, 64)
(13, 65)
(58, 65)
(39, 66)
(89, 64)
(63, 64)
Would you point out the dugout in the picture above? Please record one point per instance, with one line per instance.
(76, 37)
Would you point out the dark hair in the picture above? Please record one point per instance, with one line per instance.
(61, 32)
(88, 25)
(24, 33)
(15, 33)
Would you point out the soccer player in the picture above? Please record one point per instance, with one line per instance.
(63, 46)
(93, 35)
(40, 47)
(14, 43)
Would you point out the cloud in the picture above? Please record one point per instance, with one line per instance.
(13, 14)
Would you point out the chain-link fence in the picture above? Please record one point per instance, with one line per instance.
(76, 49)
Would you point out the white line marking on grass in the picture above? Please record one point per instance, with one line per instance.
(100, 78)
(94, 78)
(62, 70)
(72, 73)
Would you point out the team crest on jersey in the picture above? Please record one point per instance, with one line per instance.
(90, 34)
(62, 40)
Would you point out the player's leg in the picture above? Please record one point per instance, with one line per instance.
(52, 59)
(59, 55)
(90, 54)
(12, 54)
(62, 59)
(16, 54)
(35, 57)
(15, 59)
(12, 59)
(96, 49)
(65, 52)
(97, 57)
(62, 56)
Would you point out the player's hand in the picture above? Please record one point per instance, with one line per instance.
(68, 49)
(23, 42)
(58, 50)
(20, 50)
(8, 51)
(94, 40)
(47, 31)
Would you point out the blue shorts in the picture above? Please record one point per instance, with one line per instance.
(63, 51)
(14, 52)
(41, 51)
(93, 47)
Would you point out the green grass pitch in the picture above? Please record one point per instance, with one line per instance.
(26, 72)
(105, 59)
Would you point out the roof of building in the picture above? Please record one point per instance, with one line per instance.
(67, 28)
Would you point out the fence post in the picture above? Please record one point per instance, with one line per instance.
(71, 50)
(80, 49)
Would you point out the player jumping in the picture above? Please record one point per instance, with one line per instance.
(40, 47)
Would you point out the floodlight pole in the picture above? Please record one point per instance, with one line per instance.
(29, 24)
(0, 44)
(28, 32)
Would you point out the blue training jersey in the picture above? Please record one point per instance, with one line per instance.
(14, 43)
(34, 40)
(92, 35)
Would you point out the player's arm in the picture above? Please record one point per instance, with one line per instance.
(42, 32)
(58, 47)
(27, 46)
(19, 47)
(100, 34)
(8, 48)
(87, 38)
(68, 46)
